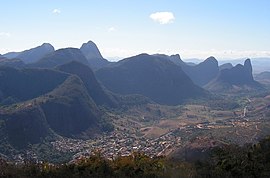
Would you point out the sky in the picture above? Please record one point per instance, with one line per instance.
(121, 28)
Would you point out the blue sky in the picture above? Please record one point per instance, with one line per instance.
(121, 28)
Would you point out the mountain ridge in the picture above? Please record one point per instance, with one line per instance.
(32, 55)
(150, 76)
(59, 57)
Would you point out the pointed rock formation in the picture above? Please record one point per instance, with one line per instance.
(90, 50)
(248, 68)
(93, 55)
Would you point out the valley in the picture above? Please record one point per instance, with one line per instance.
(170, 131)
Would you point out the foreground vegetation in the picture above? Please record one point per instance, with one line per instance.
(230, 161)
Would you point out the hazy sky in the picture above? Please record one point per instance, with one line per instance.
(192, 28)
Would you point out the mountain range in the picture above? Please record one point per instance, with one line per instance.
(53, 93)
(41, 56)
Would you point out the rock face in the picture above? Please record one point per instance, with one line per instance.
(60, 57)
(93, 55)
(151, 76)
(32, 55)
(239, 76)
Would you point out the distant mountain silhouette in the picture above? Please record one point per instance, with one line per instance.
(225, 66)
(201, 73)
(151, 76)
(92, 54)
(32, 55)
(60, 57)
(263, 77)
(238, 77)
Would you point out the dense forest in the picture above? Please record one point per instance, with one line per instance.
(230, 161)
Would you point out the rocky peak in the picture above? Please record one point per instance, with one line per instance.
(47, 46)
(248, 65)
(90, 50)
(212, 60)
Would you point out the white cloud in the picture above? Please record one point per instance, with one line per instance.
(4, 34)
(112, 29)
(56, 11)
(163, 17)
